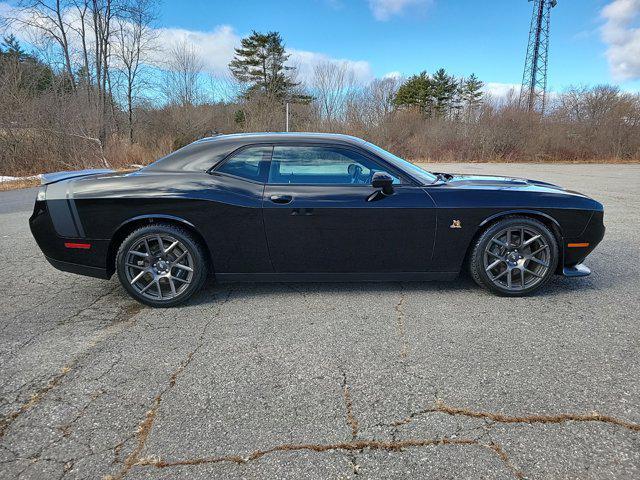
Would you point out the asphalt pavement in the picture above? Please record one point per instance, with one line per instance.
(336, 381)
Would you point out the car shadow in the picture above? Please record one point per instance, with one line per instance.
(463, 286)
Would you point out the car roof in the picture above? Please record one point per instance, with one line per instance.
(279, 136)
(206, 152)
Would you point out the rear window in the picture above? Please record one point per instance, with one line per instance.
(249, 163)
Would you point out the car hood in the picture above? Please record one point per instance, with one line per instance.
(493, 181)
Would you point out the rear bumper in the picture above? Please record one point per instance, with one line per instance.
(58, 250)
(89, 271)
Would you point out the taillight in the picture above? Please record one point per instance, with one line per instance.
(81, 246)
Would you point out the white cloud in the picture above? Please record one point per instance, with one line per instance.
(385, 9)
(501, 90)
(305, 62)
(395, 75)
(621, 33)
(214, 48)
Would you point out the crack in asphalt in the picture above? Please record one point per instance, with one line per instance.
(351, 419)
(359, 445)
(66, 428)
(352, 447)
(352, 422)
(144, 429)
(399, 308)
(441, 407)
(124, 317)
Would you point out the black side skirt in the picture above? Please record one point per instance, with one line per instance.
(336, 277)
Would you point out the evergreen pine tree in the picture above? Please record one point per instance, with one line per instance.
(472, 92)
(417, 91)
(260, 63)
(445, 87)
(12, 48)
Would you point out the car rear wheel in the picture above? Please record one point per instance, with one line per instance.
(161, 265)
(514, 257)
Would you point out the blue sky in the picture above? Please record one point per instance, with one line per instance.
(464, 36)
(592, 41)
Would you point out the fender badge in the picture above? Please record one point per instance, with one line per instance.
(456, 224)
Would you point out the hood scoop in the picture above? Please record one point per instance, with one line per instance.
(489, 180)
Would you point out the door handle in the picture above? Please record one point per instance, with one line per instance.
(282, 199)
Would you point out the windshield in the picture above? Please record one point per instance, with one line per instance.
(418, 173)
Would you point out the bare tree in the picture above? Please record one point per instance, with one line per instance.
(333, 87)
(80, 27)
(134, 40)
(48, 18)
(183, 69)
(102, 15)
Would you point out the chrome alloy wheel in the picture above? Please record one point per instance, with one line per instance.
(159, 267)
(517, 258)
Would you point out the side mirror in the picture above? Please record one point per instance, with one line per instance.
(384, 181)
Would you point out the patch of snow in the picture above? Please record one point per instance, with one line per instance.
(4, 178)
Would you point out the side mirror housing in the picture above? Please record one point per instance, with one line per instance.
(383, 181)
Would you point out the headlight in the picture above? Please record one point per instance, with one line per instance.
(42, 194)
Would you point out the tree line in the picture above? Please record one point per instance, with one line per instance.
(95, 86)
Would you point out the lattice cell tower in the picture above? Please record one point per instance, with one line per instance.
(534, 81)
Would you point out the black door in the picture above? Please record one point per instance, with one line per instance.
(322, 215)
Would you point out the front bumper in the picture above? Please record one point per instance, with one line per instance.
(576, 249)
(579, 270)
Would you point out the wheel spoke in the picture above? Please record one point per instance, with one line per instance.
(138, 254)
(531, 240)
(160, 244)
(183, 267)
(172, 285)
(159, 288)
(497, 277)
(493, 265)
(509, 237)
(178, 279)
(493, 254)
(509, 278)
(540, 262)
(172, 246)
(146, 244)
(180, 257)
(532, 273)
(138, 277)
(541, 249)
(522, 278)
(133, 265)
(147, 287)
(499, 242)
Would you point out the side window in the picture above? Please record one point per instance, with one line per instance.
(322, 166)
(250, 163)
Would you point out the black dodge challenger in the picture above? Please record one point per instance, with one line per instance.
(307, 207)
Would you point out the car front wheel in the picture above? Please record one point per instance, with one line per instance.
(161, 265)
(514, 257)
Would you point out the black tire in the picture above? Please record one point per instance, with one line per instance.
(516, 272)
(165, 268)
